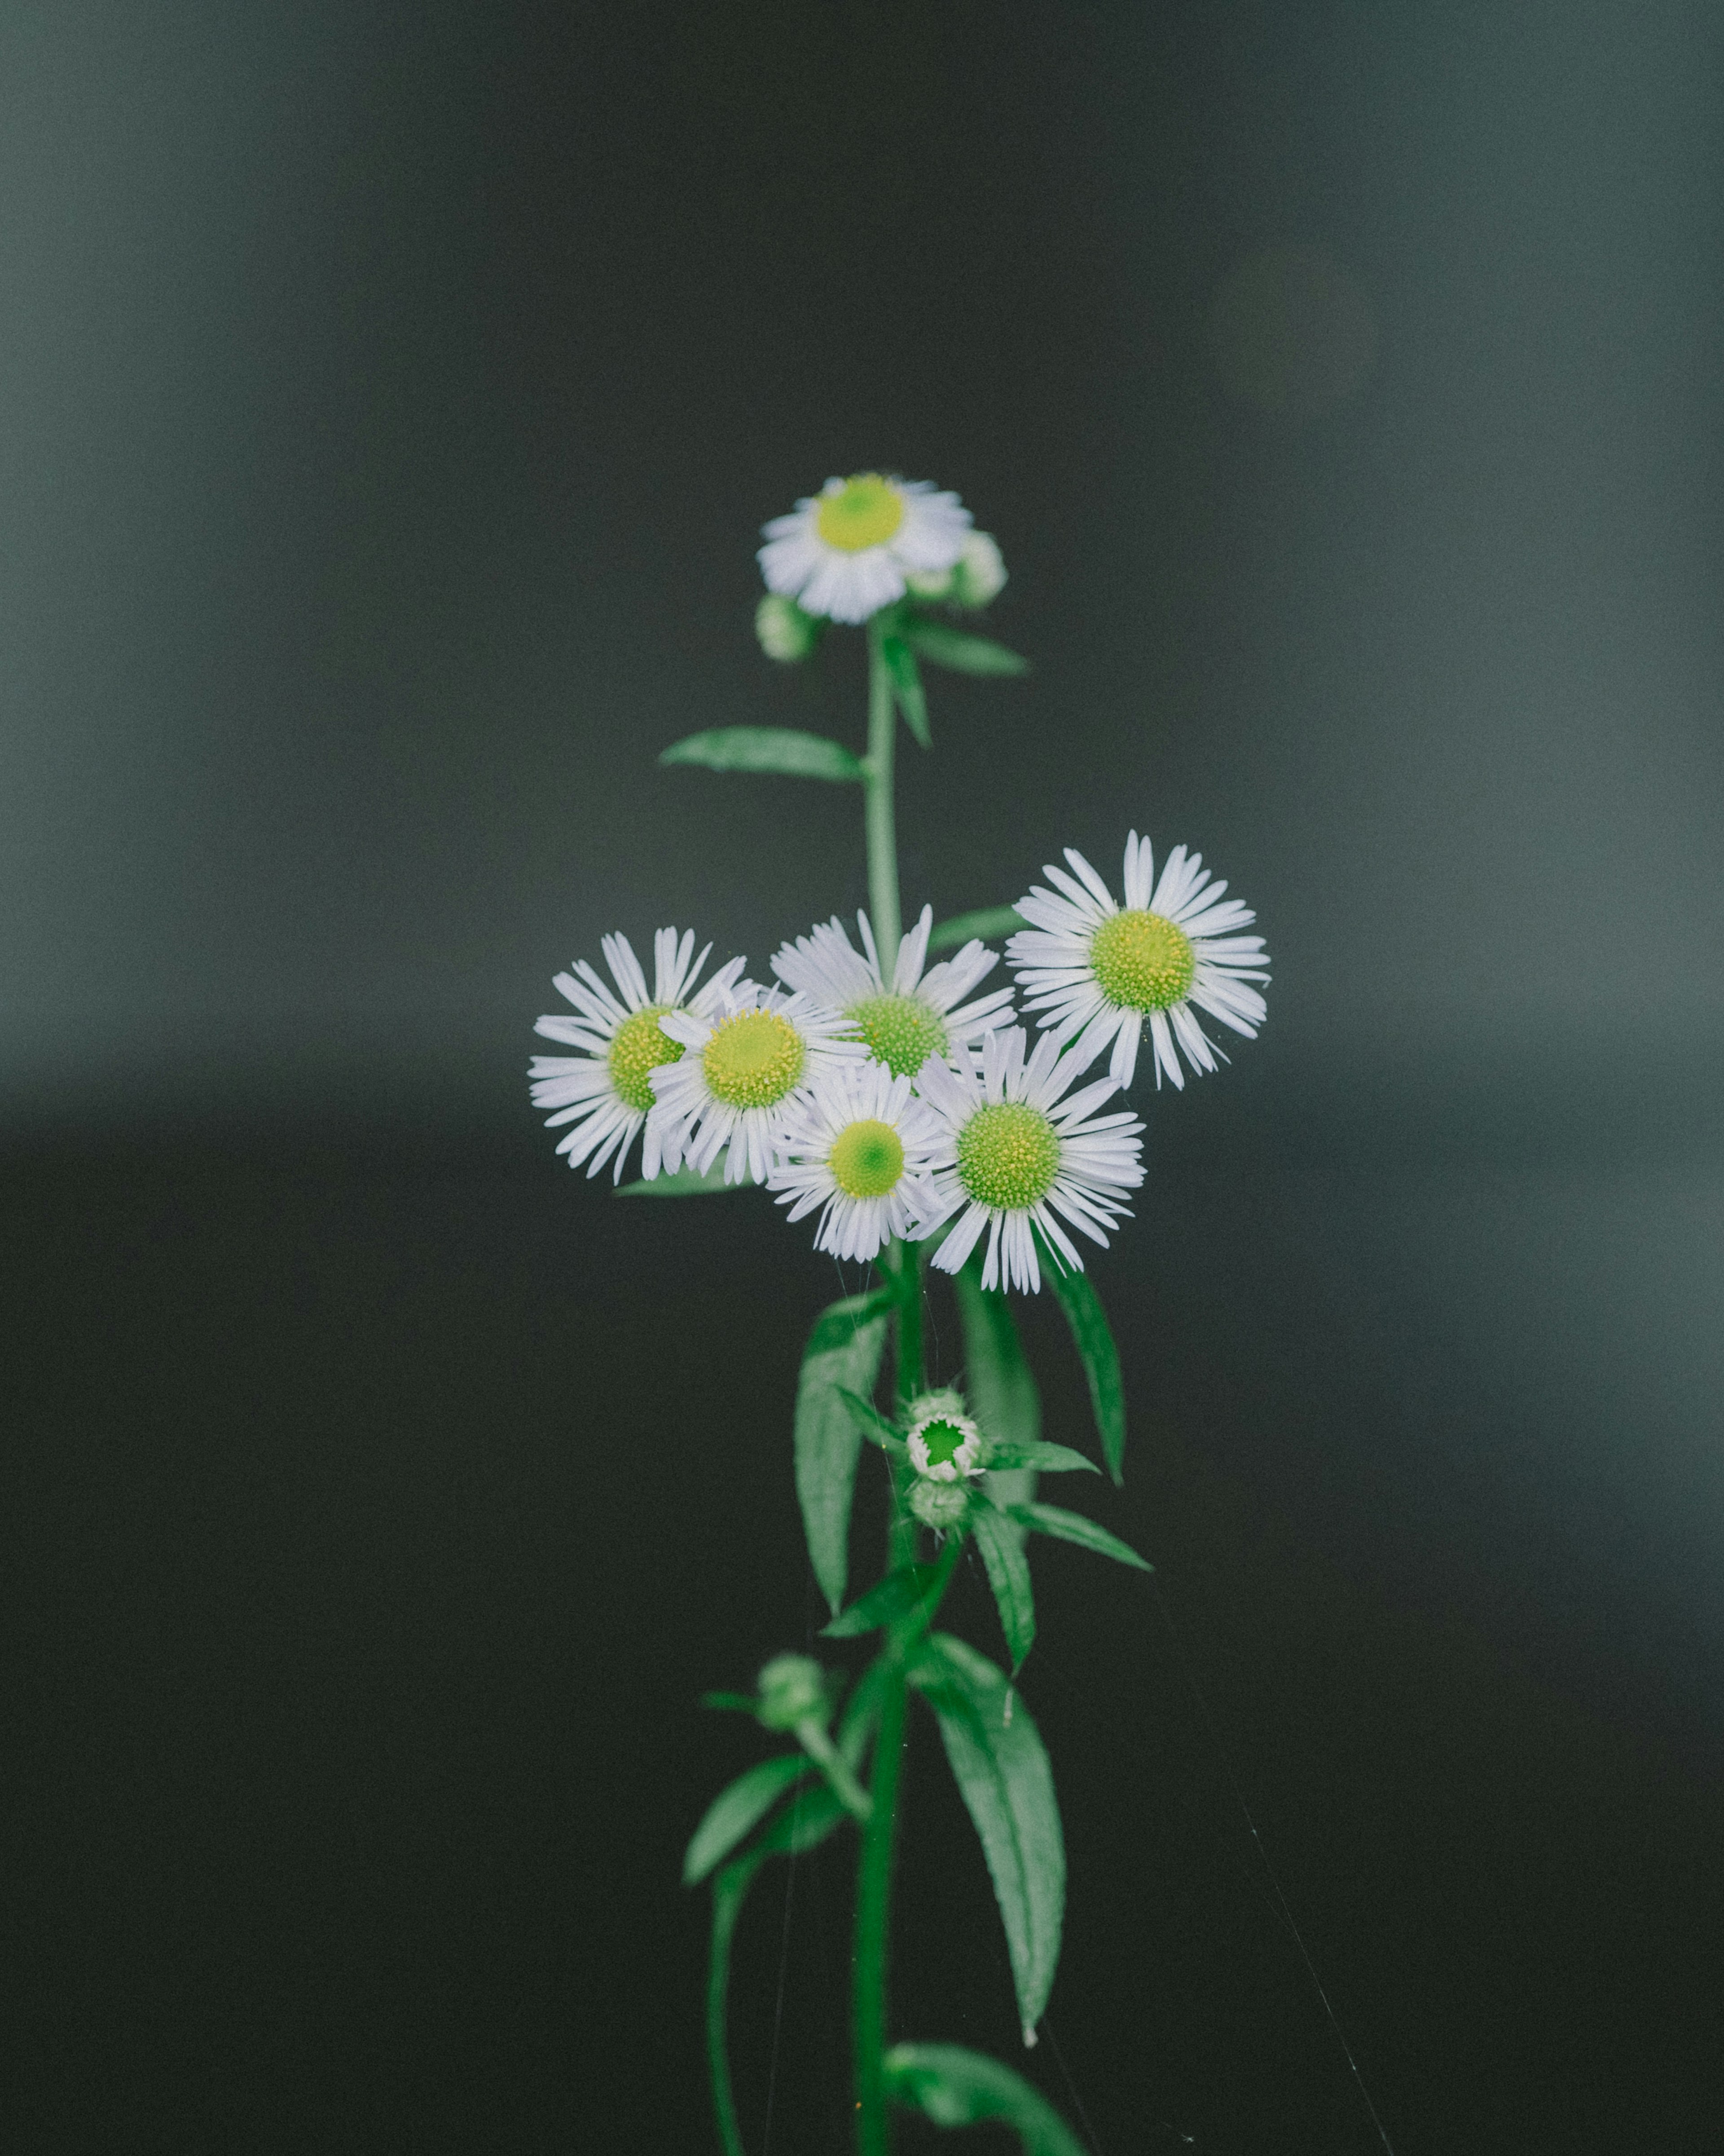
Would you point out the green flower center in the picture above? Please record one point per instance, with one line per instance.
(753, 1060)
(864, 512)
(638, 1046)
(942, 1440)
(1008, 1156)
(902, 1032)
(1142, 961)
(867, 1159)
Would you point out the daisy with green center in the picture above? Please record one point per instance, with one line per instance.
(846, 552)
(1097, 970)
(1019, 1150)
(860, 1146)
(921, 1014)
(752, 1055)
(605, 1092)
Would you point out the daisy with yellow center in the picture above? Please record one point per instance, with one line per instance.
(846, 552)
(920, 1013)
(1020, 1150)
(858, 1146)
(1098, 971)
(605, 1092)
(749, 1059)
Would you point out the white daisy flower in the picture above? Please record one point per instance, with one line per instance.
(1017, 1153)
(1097, 970)
(846, 552)
(759, 1052)
(606, 1092)
(859, 1145)
(946, 1447)
(921, 1014)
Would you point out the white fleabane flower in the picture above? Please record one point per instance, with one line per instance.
(846, 552)
(921, 1014)
(606, 1092)
(1018, 1152)
(1097, 970)
(754, 1052)
(860, 1146)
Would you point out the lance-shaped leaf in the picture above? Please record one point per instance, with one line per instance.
(1008, 1562)
(1048, 1459)
(1002, 1771)
(907, 686)
(963, 652)
(987, 922)
(896, 1595)
(956, 2087)
(1074, 1527)
(873, 1426)
(686, 1183)
(735, 1812)
(843, 1355)
(780, 749)
(1099, 1357)
(1002, 1389)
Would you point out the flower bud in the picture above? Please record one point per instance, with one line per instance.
(944, 1400)
(791, 1687)
(938, 1505)
(930, 584)
(979, 576)
(946, 1447)
(785, 631)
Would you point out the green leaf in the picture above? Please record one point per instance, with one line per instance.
(843, 1355)
(1001, 1387)
(1101, 1360)
(897, 1594)
(956, 2087)
(735, 1810)
(1003, 1774)
(1074, 1527)
(963, 652)
(873, 1426)
(1050, 1458)
(907, 686)
(987, 922)
(686, 1183)
(780, 749)
(1007, 1563)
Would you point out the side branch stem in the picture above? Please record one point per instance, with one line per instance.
(878, 811)
(873, 1910)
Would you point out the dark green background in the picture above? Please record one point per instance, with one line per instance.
(389, 399)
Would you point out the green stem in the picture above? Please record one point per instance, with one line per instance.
(873, 1910)
(879, 816)
(728, 1890)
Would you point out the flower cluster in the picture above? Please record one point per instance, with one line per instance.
(900, 1105)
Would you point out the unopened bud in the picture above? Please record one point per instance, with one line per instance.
(785, 631)
(938, 1505)
(980, 574)
(944, 1448)
(791, 1687)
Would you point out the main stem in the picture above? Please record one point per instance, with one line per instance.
(874, 1877)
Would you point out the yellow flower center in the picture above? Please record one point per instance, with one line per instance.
(867, 1159)
(902, 1032)
(864, 512)
(1008, 1156)
(753, 1060)
(1142, 961)
(638, 1046)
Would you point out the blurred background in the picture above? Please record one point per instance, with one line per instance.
(390, 397)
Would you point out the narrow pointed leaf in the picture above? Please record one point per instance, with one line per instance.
(907, 686)
(1074, 1527)
(1048, 1459)
(873, 1426)
(843, 1355)
(783, 750)
(686, 1183)
(734, 1811)
(962, 652)
(1003, 1774)
(896, 1595)
(1099, 1357)
(985, 923)
(958, 2088)
(1001, 1387)
(1008, 1563)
